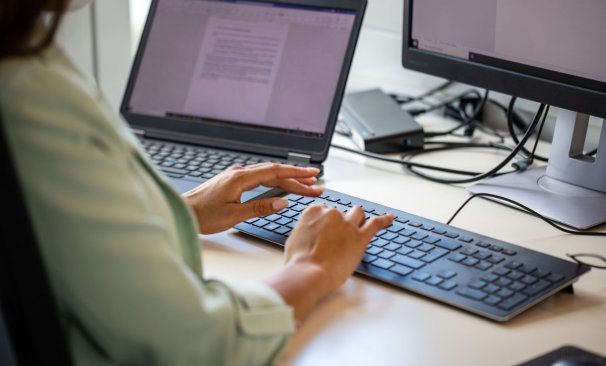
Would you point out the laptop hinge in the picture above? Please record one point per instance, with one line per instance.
(138, 132)
(299, 158)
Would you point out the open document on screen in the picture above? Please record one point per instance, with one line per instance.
(256, 63)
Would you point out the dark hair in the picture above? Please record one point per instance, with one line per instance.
(19, 20)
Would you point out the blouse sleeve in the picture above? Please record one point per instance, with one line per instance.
(111, 250)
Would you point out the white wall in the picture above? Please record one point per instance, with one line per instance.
(97, 38)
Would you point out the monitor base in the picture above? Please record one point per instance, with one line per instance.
(570, 205)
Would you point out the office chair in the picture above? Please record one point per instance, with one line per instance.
(30, 329)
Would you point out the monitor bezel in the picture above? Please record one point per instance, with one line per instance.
(247, 137)
(576, 94)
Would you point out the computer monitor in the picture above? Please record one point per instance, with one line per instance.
(549, 51)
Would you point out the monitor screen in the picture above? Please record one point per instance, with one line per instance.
(241, 62)
(523, 48)
(549, 51)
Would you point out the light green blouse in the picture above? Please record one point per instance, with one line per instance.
(120, 244)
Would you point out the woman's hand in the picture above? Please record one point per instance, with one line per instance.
(322, 252)
(217, 202)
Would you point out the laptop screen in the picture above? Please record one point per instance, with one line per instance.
(243, 62)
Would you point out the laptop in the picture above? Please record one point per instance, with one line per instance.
(222, 82)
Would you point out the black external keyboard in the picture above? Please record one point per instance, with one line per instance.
(485, 276)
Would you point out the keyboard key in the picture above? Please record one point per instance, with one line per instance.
(491, 288)
(421, 276)
(392, 247)
(466, 239)
(515, 275)
(502, 271)
(273, 217)
(250, 221)
(448, 244)
(526, 269)
(431, 239)
(536, 287)
(419, 236)
(483, 266)
(408, 262)
(374, 250)
(404, 251)
(504, 293)
(415, 224)
(389, 236)
(306, 200)
(509, 252)
(512, 302)
(434, 281)
(514, 265)
(395, 228)
(401, 240)
(260, 223)
(401, 270)
(469, 251)
(448, 285)
(472, 293)
(451, 235)
(482, 254)
(492, 300)
(517, 286)
(434, 254)
(495, 260)
(382, 263)
(541, 273)
(478, 284)
(369, 258)
(483, 244)
(283, 230)
(458, 257)
(386, 254)
(401, 220)
(283, 221)
(407, 232)
(470, 262)
(271, 226)
(425, 247)
(447, 274)
(426, 227)
(413, 244)
(529, 280)
(491, 277)
(416, 254)
(380, 242)
(503, 282)
(496, 248)
(439, 231)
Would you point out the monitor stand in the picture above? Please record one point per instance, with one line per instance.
(572, 188)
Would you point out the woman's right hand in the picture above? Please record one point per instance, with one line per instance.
(322, 252)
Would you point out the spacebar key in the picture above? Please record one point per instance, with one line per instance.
(408, 262)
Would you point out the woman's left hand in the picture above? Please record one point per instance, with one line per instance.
(217, 202)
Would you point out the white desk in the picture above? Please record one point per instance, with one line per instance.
(366, 323)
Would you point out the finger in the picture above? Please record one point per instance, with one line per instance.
(267, 173)
(355, 216)
(294, 186)
(257, 208)
(370, 228)
(307, 181)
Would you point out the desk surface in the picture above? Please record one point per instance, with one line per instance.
(368, 323)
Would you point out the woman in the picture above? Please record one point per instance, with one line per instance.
(121, 245)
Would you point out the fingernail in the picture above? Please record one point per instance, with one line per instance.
(279, 204)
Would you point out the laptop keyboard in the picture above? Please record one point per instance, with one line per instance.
(485, 276)
(197, 163)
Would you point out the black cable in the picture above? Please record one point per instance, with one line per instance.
(402, 162)
(499, 166)
(514, 135)
(467, 121)
(536, 142)
(558, 226)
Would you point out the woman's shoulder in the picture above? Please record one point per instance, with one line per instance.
(49, 85)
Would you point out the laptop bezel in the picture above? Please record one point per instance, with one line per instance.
(246, 138)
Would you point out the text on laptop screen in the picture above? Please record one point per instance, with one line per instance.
(261, 64)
